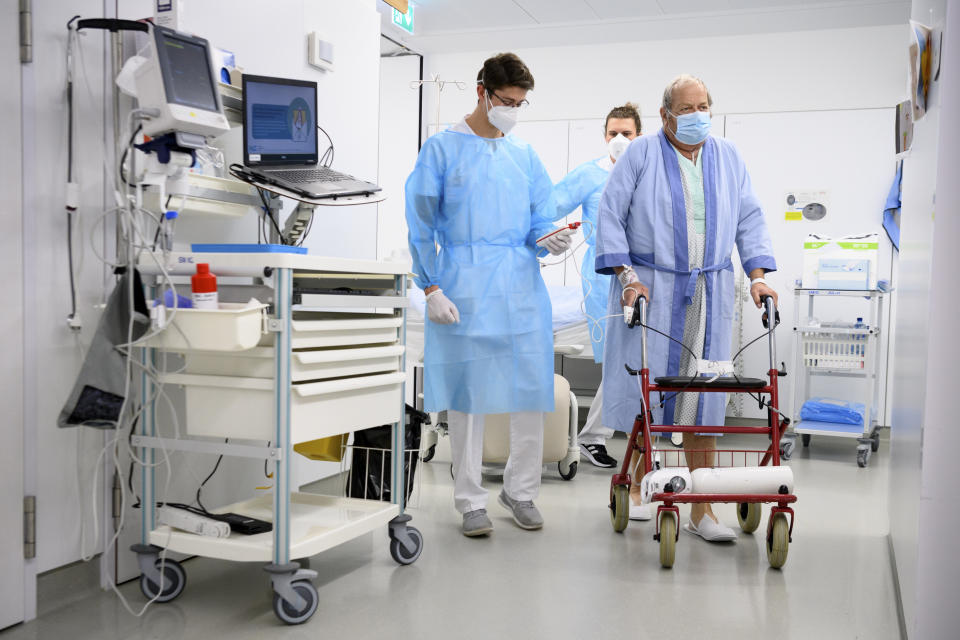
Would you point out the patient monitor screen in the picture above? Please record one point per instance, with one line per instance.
(280, 122)
(186, 72)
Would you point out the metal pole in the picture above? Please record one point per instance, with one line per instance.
(281, 481)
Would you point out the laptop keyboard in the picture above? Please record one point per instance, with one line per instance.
(303, 176)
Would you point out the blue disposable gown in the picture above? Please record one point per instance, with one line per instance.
(643, 223)
(483, 202)
(582, 188)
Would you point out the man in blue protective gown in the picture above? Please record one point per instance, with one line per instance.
(476, 203)
(674, 207)
(583, 187)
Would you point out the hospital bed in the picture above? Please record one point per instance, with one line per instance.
(571, 336)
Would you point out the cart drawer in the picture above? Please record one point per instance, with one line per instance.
(311, 334)
(304, 365)
(244, 408)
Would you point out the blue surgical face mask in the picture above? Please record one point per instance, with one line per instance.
(693, 128)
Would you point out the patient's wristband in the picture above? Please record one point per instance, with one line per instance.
(757, 281)
(627, 277)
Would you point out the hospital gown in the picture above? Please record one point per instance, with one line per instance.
(644, 222)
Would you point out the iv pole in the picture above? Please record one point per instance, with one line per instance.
(459, 84)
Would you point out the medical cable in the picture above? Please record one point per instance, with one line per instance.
(326, 159)
(569, 253)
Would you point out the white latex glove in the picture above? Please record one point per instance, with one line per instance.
(559, 242)
(440, 309)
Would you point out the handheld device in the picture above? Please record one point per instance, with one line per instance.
(572, 226)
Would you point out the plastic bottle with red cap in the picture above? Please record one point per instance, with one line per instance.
(203, 288)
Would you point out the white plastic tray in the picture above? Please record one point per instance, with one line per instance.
(232, 327)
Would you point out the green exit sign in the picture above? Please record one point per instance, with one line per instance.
(404, 20)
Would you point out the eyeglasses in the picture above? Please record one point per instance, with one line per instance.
(509, 102)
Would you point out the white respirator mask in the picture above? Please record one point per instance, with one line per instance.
(617, 145)
(503, 118)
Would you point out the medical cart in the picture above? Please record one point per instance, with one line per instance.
(839, 350)
(641, 441)
(320, 354)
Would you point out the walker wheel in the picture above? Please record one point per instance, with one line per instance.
(668, 538)
(778, 540)
(619, 507)
(748, 515)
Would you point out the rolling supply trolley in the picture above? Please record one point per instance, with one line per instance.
(321, 356)
(780, 522)
(839, 350)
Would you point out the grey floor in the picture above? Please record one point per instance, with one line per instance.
(574, 579)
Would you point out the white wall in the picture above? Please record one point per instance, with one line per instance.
(747, 74)
(268, 39)
(399, 119)
(923, 477)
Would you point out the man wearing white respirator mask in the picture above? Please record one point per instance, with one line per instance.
(484, 198)
(583, 187)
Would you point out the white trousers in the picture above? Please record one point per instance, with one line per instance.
(593, 431)
(521, 477)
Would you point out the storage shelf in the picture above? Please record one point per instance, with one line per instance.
(817, 428)
(317, 523)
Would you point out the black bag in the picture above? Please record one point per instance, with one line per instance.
(370, 477)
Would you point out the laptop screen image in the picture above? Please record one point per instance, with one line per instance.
(279, 121)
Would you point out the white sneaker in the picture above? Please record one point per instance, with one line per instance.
(676, 439)
(640, 511)
(711, 531)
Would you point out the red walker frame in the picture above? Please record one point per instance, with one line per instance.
(642, 426)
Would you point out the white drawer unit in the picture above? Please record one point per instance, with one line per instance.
(244, 408)
(312, 364)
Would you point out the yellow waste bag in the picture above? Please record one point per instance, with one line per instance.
(326, 449)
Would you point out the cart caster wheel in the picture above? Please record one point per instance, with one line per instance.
(875, 442)
(174, 580)
(863, 456)
(401, 554)
(668, 539)
(619, 507)
(748, 515)
(805, 438)
(288, 613)
(427, 455)
(778, 540)
(571, 472)
(786, 449)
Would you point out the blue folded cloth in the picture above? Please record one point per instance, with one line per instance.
(830, 410)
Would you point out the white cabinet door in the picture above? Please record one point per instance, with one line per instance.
(11, 328)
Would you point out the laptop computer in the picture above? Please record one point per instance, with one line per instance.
(280, 139)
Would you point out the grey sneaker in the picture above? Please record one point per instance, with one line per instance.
(476, 523)
(524, 512)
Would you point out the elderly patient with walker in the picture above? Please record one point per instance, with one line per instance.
(674, 207)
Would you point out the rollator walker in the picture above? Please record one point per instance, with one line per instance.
(780, 522)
